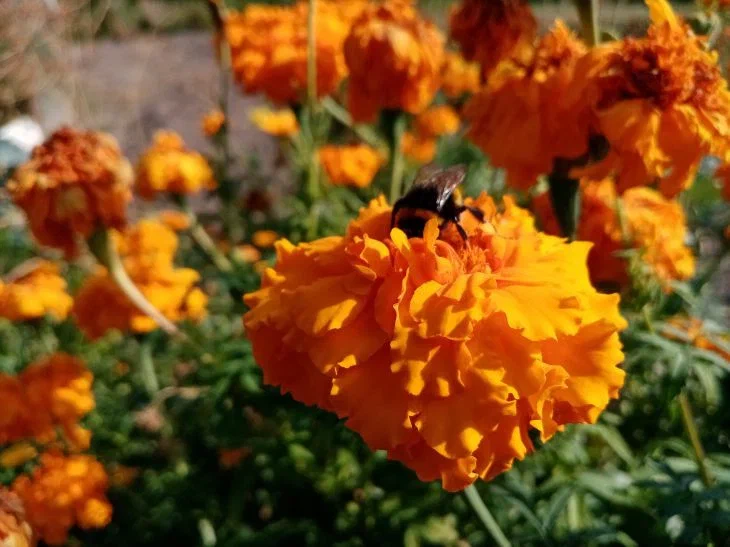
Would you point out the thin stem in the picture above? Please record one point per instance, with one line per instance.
(147, 368)
(312, 55)
(694, 437)
(397, 159)
(588, 14)
(364, 133)
(485, 516)
(103, 248)
(313, 189)
(203, 240)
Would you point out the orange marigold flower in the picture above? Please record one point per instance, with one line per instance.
(418, 148)
(17, 455)
(351, 165)
(168, 166)
(535, 105)
(269, 47)
(490, 31)
(661, 102)
(74, 183)
(437, 121)
(35, 293)
(395, 60)
(64, 491)
(212, 122)
(147, 251)
(442, 353)
(177, 221)
(14, 529)
(458, 76)
(247, 253)
(279, 123)
(655, 225)
(264, 239)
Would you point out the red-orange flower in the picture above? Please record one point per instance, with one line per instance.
(418, 148)
(353, 165)
(74, 183)
(437, 121)
(443, 353)
(395, 60)
(458, 76)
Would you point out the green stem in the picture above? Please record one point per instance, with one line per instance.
(102, 246)
(147, 368)
(364, 132)
(397, 159)
(485, 516)
(588, 14)
(203, 240)
(694, 437)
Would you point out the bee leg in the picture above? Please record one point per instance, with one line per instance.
(478, 213)
(459, 227)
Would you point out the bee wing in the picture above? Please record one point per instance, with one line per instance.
(445, 181)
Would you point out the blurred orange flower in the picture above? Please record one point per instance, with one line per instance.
(280, 123)
(74, 183)
(147, 249)
(661, 102)
(269, 47)
(437, 121)
(445, 353)
(351, 165)
(655, 225)
(395, 60)
(247, 253)
(64, 491)
(41, 291)
(212, 122)
(168, 166)
(458, 76)
(177, 221)
(17, 455)
(536, 105)
(264, 239)
(418, 148)
(493, 30)
(14, 529)
(693, 331)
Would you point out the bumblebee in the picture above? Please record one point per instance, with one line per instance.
(434, 193)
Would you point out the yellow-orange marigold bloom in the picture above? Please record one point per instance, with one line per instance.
(445, 354)
(168, 166)
(41, 291)
(147, 251)
(74, 183)
(212, 122)
(269, 47)
(351, 165)
(14, 529)
(655, 225)
(490, 31)
(418, 148)
(395, 60)
(247, 253)
(264, 239)
(661, 102)
(64, 491)
(177, 221)
(458, 76)
(536, 105)
(279, 123)
(17, 455)
(437, 121)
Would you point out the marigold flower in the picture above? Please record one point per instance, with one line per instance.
(74, 183)
(661, 103)
(147, 251)
(264, 239)
(418, 148)
(395, 60)
(41, 291)
(458, 76)
(247, 253)
(212, 122)
(281, 123)
(64, 491)
(269, 47)
(536, 105)
(445, 354)
(14, 529)
(655, 225)
(351, 165)
(17, 455)
(168, 166)
(437, 121)
(693, 331)
(490, 31)
(177, 221)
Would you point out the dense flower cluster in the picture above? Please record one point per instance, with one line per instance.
(64, 491)
(51, 394)
(395, 59)
(269, 47)
(168, 166)
(279, 123)
(40, 291)
(493, 30)
(14, 529)
(458, 76)
(653, 224)
(536, 105)
(445, 353)
(353, 165)
(661, 102)
(147, 249)
(74, 183)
